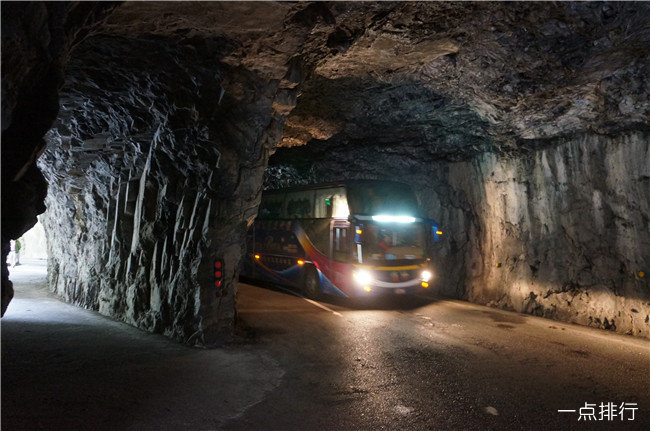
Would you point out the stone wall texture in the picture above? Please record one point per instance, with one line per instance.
(152, 178)
(36, 40)
(522, 126)
(562, 233)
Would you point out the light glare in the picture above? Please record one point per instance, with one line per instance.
(394, 219)
(362, 277)
(341, 209)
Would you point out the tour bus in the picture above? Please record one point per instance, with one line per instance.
(353, 238)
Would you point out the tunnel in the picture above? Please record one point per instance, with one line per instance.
(142, 134)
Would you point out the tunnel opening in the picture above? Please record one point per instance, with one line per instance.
(30, 248)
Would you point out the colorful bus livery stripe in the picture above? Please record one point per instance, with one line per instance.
(350, 238)
(324, 265)
(286, 270)
(289, 275)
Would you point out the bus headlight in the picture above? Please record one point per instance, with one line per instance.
(426, 275)
(362, 277)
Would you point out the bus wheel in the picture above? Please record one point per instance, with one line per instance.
(311, 283)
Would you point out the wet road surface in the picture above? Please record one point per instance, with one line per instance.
(425, 364)
(410, 364)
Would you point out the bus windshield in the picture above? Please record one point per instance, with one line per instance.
(384, 242)
(381, 198)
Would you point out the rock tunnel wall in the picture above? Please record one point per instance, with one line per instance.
(154, 173)
(169, 111)
(524, 134)
(159, 133)
(36, 40)
(561, 233)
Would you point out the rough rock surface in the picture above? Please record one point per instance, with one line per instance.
(36, 40)
(155, 172)
(522, 126)
(146, 188)
(562, 233)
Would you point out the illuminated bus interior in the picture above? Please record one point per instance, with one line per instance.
(390, 242)
(327, 235)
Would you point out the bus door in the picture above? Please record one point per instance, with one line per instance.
(340, 245)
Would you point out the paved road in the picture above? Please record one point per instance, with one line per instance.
(426, 365)
(417, 364)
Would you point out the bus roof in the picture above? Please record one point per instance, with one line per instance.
(343, 183)
(343, 198)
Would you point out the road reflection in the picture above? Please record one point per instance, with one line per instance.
(425, 363)
(370, 302)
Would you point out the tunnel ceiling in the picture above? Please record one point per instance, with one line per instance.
(460, 78)
(443, 80)
(162, 117)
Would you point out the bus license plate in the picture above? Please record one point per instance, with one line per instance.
(400, 291)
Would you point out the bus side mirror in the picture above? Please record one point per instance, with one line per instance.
(358, 232)
(436, 233)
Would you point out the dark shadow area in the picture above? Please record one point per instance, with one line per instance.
(67, 368)
(63, 375)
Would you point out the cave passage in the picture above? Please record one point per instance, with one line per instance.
(142, 134)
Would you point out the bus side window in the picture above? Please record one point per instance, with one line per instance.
(341, 244)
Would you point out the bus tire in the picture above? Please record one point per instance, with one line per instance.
(311, 283)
